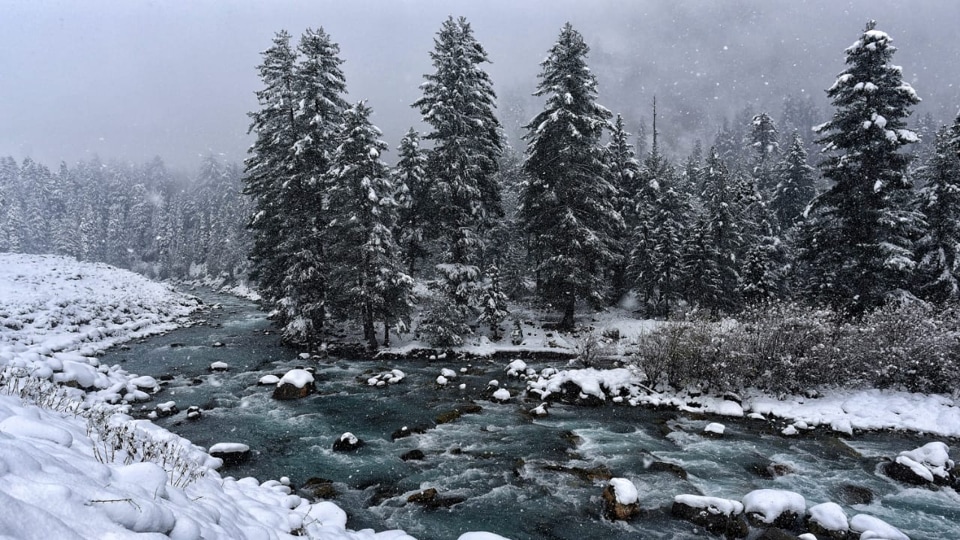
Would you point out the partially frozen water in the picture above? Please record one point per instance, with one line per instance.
(514, 472)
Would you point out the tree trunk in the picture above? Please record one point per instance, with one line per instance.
(568, 311)
(369, 332)
(386, 332)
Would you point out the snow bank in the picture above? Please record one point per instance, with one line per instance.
(56, 312)
(61, 476)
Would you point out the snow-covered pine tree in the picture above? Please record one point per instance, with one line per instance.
(367, 282)
(938, 251)
(271, 167)
(320, 86)
(493, 303)
(719, 239)
(955, 136)
(412, 199)
(458, 103)
(762, 277)
(795, 185)
(624, 171)
(858, 242)
(764, 145)
(800, 115)
(567, 203)
(662, 278)
(641, 226)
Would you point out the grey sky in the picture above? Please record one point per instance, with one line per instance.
(132, 79)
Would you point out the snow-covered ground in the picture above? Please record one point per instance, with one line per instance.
(71, 464)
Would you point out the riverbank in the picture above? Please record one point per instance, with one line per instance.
(72, 463)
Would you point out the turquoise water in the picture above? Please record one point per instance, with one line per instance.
(506, 465)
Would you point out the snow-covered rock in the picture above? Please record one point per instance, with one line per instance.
(621, 500)
(929, 464)
(393, 376)
(775, 507)
(268, 380)
(231, 453)
(219, 366)
(348, 442)
(872, 528)
(828, 520)
(502, 395)
(295, 384)
(714, 429)
(716, 515)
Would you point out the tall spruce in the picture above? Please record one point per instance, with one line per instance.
(412, 200)
(938, 251)
(299, 105)
(858, 243)
(367, 281)
(458, 103)
(712, 258)
(795, 185)
(765, 147)
(624, 171)
(567, 204)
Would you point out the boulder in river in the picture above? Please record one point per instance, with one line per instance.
(231, 453)
(319, 488)
(828, 520)
(295, 384)
(716, 515)
(430, 498)
(929, 464)
(620, 500)
(348, 442)
(414, 455)
(774, 507)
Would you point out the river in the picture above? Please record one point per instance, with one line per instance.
(518, 476)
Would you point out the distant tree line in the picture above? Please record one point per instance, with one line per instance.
(142, 218)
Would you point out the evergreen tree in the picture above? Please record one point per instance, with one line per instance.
(765, 146)
(412, 199)
(458, 103)
(858, 244)
(800, 115)
(270, 167)
(938, 251)
(366, 278)
(795, 185)
(567, 203)
(719, 239)
(493, 303)
(624, 171)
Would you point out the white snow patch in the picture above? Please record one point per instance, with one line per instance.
(624, 490)
(502, 395)
(872, 528)
(296, 377)
(830, 516)
(713, 505)
(769, 504)
(715, 428)
(229, 448)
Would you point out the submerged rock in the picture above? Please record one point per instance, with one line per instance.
(319, 488)
(590, 474)
(850, 494)
(430, 498)
(414, 455)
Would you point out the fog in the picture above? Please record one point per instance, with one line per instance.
(133, 79)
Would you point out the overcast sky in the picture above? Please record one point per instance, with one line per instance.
(131, 79)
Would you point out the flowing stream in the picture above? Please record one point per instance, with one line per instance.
(519, 477)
